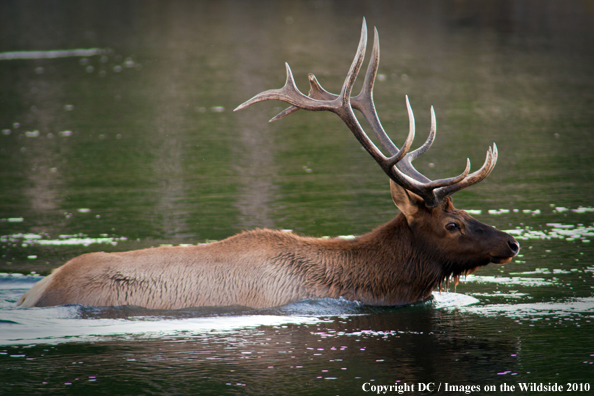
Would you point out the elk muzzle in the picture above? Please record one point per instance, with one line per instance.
(505, 254)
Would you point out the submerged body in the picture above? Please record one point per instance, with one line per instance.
(265, 268)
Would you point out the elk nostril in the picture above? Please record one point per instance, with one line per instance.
(514, 246)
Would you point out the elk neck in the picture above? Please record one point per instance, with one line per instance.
(386, 266)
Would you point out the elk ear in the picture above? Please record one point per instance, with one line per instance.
(408, 202)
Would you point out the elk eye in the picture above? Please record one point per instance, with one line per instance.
(452, 227)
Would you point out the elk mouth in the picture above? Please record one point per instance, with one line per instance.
(455, 276)
(501, 260)
(514, 249)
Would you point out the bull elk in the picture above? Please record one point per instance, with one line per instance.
(425, 246)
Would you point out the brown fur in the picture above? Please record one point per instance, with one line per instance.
(401, 262)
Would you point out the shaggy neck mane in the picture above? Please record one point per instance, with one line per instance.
(384, 267)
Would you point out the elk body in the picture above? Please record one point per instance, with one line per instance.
(402, 261)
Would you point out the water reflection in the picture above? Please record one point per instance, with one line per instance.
(336, 353)
(255, 149)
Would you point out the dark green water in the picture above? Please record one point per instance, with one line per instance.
(138, 146)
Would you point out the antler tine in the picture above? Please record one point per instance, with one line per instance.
(349, 81)
(315, 92)
(409, 139)
(406, 164)
(289, 94)
(479, 175)
(364, 101)
(449, 181)
(411, 128)
(430, 139)
(289, 110)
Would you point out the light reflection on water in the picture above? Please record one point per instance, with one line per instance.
(567, 232)
(578, 308)
(510, 281)
(35, 239)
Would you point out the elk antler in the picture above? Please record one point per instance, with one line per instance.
(398, 166)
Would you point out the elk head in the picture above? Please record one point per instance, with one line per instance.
(444, 231)
(451, 236)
